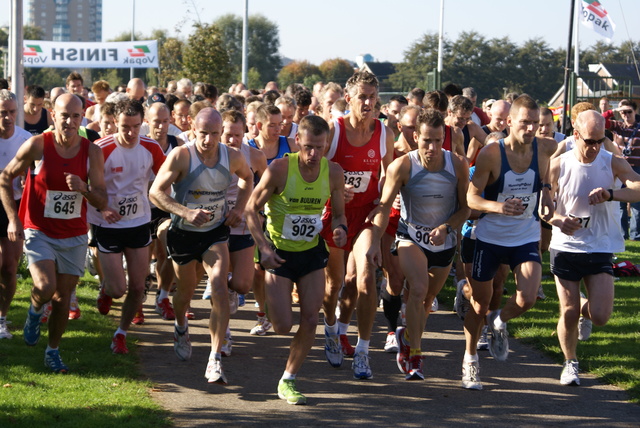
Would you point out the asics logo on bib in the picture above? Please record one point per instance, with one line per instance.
(63, 197)
(304, 220)
(128, 200)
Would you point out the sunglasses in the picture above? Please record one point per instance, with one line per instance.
(626, 111)
(591, 142)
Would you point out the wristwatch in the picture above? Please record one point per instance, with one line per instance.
(449, 228)
(88, 190)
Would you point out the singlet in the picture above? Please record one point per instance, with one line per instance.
(294, 217)
(47, 203)
(232, 193)
(448, 138)
(283, 148)
(600, 223)
(362, 164)
(203, 188)
(294, 130)
(467, 137)
(469, 226)
(8, 149)
(127, 171)
(513, 231)
(173, 143)
(428, 200)
(486, 129)
(40, 126)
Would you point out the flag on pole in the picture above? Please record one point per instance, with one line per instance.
(595, 17)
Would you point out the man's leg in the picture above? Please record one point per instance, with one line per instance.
(187, 282)
(528, 276)
(216, 263)
(599, 304)
(242, 269)
(569, 297)
(10, 253)
(334, 277)
(137, 270)
(366, 281)
(413, 263)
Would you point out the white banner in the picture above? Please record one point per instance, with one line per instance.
(138, 54)
(595, 17)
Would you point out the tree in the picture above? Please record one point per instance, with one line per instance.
(204, 57)
(336, 70)
(419, 59)
(263, 44)
(295, 72)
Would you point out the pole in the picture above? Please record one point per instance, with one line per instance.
(576, 52)
(567, 70)
(245, 37)
(440, 36)
(133, 32)
(17, 79)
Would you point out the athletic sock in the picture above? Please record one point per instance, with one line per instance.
(362, 346)
(331, 329)
(343, 328)
(288, 376)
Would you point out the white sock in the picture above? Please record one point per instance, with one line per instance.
(49, 348)
(164, 294)
(343, 328)
(362, 346)
(120, 331)
(181, 329)
(33, 311)
(468, 358)
(498, 323)
(331, 329)
(288, 376)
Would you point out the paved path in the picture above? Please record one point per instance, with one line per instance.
(524, 391)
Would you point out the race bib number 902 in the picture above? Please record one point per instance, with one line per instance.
(298, 227)
(420, 235)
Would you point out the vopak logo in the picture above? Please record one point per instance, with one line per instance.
(595, 7)
(32, 50)
(139, 51)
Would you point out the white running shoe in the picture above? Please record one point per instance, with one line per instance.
(233, 302)
(214, 373)
(207, 292)
(391, 345)
(182, 344)
(434, 305)
(499, 341)
(461, 304)
(361, 367)
(569, 374)
(4, 331)
(262, 326)
(483, 341)
(584, 328)
(471, 375)
(333, 349)
(541, 295)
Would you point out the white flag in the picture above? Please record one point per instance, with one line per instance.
(595, 17)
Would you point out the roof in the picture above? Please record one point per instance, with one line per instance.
(622, 71)
(380, 69)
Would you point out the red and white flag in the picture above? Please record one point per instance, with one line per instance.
(595, 17)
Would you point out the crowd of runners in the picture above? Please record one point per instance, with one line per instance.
(319, 197)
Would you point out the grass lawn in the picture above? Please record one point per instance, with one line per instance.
(101, 390)
(612, 352)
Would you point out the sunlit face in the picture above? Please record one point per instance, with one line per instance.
(252, 126)
(159, 120)
(301, 112)
(329, 98)
(393, 113)
(499, 118)
(287, 116)
(232, 133)
(67, 117)
(312, 148)
(589, 141)
(75, 87)
(460, 117)
(270, 130)
(547, 127)
(604, 106)
(129, 128)
(33, 105)
(430, 141)
(524, 124)
(101, 96)
(181, 117)
(362, 103)
(407, 125)
(208, 133)
(107, 125)
(8, 114)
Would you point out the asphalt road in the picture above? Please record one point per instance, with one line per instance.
(523, 391)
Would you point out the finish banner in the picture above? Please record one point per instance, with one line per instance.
(138, 54)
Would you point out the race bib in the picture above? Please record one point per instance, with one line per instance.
(298, 227)
(420, 235)
(129, 206)
(214, 207)
(583, 221)
(529, 201)
(63, 205)
(358, 179)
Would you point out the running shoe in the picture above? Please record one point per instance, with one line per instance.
(46, 311)
(119, 344)
(403, 314)
(165, 309)
(483, 341)
(434, 305)
(190, 315)
(4, 331)
(74, 309)
(287, 391)
(182, 344)
(499, 341)
(214, 373)
(233, 302)
(138, 319)
(415, 368)
(541, 295)
(31, 329)
(206, 295)
(391, 345)
(461, 304)
(241, 301)
(332, 349)
(361, 367)
(227, 345)
(347, 350)
(262, 326)
(471, 375)
(54, 362)
(402, 357)
(569, 375)
(104, 302)
(584, 328)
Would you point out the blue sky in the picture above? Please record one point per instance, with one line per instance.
(316, 31)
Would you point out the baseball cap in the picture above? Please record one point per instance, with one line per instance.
(156, 98)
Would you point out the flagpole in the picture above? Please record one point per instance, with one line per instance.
(440, 36)
(567, 70)
(576, 58)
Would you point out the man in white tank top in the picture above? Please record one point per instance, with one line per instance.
(586, 233)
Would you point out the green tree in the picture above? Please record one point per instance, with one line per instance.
(204, 57)
(296, 72)
(263, 41)
(336, 70)
(419, 59)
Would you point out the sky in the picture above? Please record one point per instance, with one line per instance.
(315, 31)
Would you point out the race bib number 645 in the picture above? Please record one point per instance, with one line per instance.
(63, 204)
